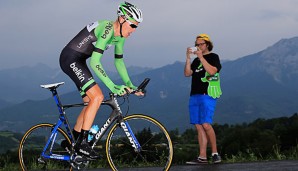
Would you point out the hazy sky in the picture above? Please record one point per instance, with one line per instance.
(35, 31)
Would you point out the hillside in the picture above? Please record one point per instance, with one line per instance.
(262, 84)
(23, 83)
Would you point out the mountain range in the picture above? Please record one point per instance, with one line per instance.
(260, 85)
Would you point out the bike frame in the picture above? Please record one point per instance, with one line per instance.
(116, 115)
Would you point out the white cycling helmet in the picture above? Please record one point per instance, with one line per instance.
(130, 11)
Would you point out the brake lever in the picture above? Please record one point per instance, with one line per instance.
(127, 92)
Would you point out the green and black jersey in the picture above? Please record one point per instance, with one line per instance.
(97, 36)
(92, 41)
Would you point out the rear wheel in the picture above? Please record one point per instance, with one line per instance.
(156, 145)
(32, 144)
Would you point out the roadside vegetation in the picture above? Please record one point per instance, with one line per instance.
(261, 140)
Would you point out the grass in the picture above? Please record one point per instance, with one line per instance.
(6, 134)
(187, 152)
(250, 156)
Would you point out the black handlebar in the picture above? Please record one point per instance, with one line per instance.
(143, 85)
(141, 88)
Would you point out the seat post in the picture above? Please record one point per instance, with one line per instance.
(57, 99)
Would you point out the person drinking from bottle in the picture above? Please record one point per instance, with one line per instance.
(91, 42)
(205, 90)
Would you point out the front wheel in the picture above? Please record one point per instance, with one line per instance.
(33, 143)
(156, 145)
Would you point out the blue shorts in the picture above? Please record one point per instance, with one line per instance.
(201, 109)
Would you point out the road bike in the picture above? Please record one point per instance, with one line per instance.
(135, 140)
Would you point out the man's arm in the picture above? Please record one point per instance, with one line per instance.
(187, 67)
(121, 68)
(120, 65)
(95, 63)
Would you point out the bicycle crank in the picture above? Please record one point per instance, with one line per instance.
(79, 162)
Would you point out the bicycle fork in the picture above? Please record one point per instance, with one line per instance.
(130, 135)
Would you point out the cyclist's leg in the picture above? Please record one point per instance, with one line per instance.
(80, 119)
(95, 96)
(92, 94)
(74, 65)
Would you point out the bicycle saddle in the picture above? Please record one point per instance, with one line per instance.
(52, 86)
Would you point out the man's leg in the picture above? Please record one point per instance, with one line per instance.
(202, 138)
(95, 98)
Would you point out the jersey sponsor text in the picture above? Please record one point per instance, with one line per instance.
(85, 40)
(108, 28)
(101, 71)
(77, 71)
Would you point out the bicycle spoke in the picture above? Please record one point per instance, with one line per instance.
(156, 146)
(144, 144)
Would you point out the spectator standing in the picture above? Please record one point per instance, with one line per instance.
(205, 90)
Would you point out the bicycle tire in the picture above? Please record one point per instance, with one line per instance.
(157, 148)
(32, 144)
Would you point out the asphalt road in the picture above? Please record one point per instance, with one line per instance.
(288, 165)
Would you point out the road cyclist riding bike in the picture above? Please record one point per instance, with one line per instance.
(132, 141)
(92, 41)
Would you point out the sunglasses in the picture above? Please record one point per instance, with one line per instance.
(132, 25)
(200, 44)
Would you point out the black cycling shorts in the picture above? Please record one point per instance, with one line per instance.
(73, 64)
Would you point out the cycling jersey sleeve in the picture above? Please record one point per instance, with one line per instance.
(121, 68)
(95, 63)
(104, 33)
(120, 65)
(119, 45)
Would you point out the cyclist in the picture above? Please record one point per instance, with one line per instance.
(92, 41)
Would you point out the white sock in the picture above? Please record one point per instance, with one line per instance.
(202, 157)
(214, 154)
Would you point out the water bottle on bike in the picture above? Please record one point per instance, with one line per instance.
(92, 132)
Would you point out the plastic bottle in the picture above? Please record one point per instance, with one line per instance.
(92, 132)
